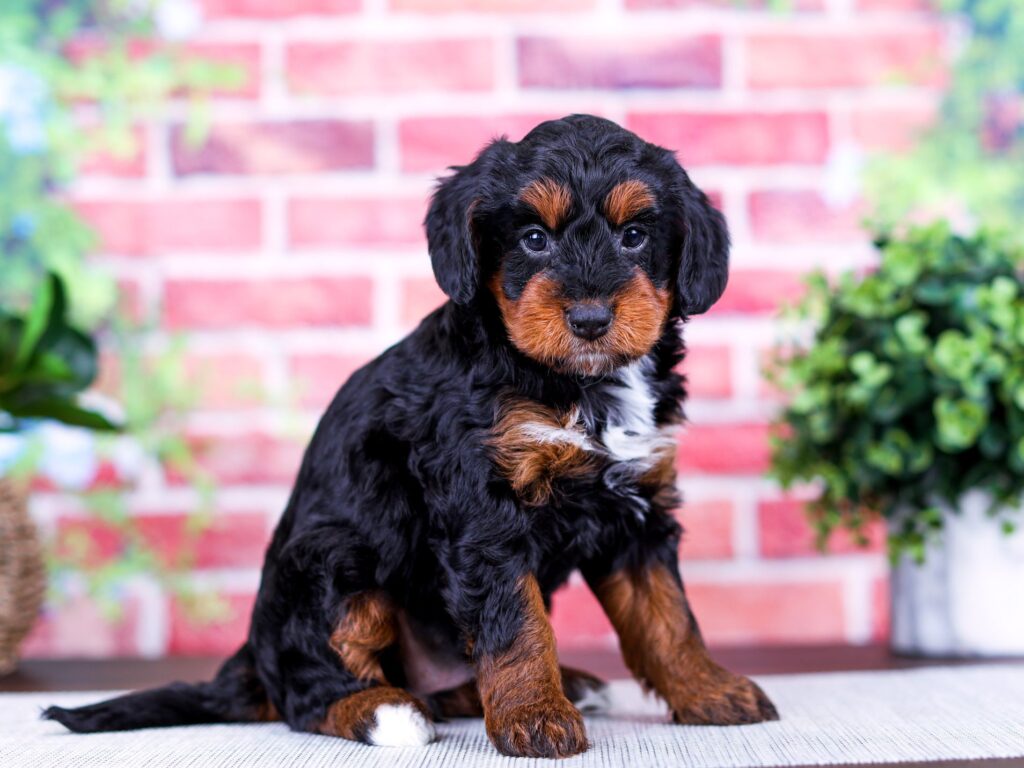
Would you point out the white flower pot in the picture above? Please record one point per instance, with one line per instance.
(967, 598)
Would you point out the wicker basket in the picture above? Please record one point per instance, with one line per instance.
(22, 574)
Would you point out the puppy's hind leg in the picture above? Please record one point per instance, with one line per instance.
(323, 675)
(382, 715)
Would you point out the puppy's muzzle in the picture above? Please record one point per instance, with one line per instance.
(589, 320)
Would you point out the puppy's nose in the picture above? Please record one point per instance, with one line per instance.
(589, 321)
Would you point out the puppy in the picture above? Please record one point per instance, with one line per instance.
(525, 430)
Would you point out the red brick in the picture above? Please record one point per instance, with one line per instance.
(390, 66)
(152, 227)
(579, 620)
(434, 143)
(280, 303)
(724, 449)
(77, 627)
(765, 389)
(801, 216)
(881, 616)
(617, 62)
(218, 381)
(491, 6)
(755, 138)
(242, 60)
(751, 291)
(130, 300)
(845, 60)
(708, 371)
(420, 296)
(248, 458)
(768, 612)
(356, 222)
(128, 162)
(230, 540)
(796, 5)
(276, 9)
(785, 532)
(707, 530)
(225, 381)
(296, 146)
(892, 130)
(219, 634)
(317, 377)
(896, 5)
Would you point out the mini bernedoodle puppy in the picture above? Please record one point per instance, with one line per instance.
(525, 429)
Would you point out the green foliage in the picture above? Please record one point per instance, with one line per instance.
(912, 390)
(95, 78)
(969, 164)
(45, 364)
(90, 75)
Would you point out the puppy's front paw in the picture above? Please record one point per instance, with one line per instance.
(551, 727)
(718, 697)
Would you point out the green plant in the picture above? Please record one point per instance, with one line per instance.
(911, 391)
(969, 162)
(80, 78)
(77, 79)
(45, 364)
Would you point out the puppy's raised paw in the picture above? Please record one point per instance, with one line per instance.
(722, 698)
(551, 727)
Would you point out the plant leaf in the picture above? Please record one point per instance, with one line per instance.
(36, 321)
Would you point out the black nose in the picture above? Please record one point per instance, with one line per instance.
(589, 321)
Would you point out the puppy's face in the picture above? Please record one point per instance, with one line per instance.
(586, 238)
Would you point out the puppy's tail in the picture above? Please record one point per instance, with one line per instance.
(234, 695)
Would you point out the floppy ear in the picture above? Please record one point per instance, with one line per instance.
(452, 219)
(704, 260)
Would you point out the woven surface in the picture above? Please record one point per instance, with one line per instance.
(22, 573)
(930, 714)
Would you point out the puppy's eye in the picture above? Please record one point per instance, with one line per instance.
(535, 240)
(633, 237)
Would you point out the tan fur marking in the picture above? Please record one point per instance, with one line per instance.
(536, 320)
(626, 200)
(641, 309)
(366, 629)
(536, 324)
(530, 460)
(663, 472)
(663, 649)
(551, 200)
(354, 716)
(525, 710)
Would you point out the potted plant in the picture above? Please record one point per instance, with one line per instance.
(44, 365)
(908, 402)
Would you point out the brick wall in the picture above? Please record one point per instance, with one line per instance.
(288, 248)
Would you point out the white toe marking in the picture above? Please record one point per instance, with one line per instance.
(400, 725)
(594, 700)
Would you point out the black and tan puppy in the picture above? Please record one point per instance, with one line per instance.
(524, 430)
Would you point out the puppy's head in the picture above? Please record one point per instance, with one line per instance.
(587, 238)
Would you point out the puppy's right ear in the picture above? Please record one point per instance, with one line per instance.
(456, 209)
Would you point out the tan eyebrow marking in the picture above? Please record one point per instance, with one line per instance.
(550, 199)
(626, 200)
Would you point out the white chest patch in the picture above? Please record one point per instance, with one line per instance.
(631, 433)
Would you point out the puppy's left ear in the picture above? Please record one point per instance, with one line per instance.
(455, 212)
(704, 260)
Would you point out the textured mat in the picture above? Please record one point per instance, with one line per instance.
(855, 717)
